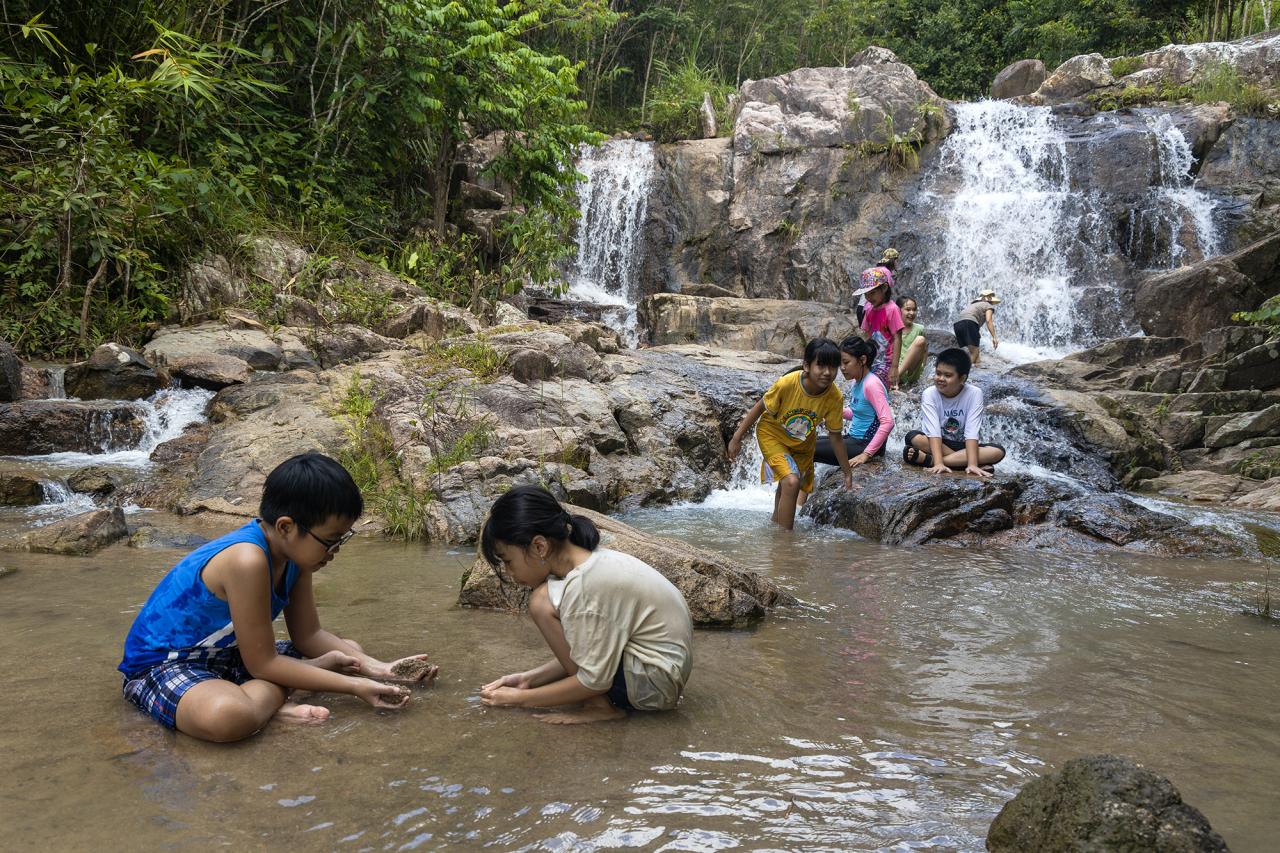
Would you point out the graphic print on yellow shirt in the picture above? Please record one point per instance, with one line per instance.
(792, 414)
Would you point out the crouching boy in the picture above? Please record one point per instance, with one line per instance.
(202, 657)
(950, 421)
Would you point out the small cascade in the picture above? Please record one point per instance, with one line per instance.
(1175, 213)
(57, 383)
(613, 203)
(744, 490)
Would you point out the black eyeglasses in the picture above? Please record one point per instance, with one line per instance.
(329, 547)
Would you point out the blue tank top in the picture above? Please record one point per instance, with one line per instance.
(864, 423)
(183, 620)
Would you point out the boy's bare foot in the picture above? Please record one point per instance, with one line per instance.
(292, 712)
(597, 710)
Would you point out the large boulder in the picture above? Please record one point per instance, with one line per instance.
(35, 427)
(1242, 171)
(208, 286)
(1255, 58)
(78, 535)
(1102, 802)
(835, 107)
(1077, 76)
(770, 325)
(1018, 78)
(214, 355)
(114, 372)
(1192, 300)
(719, 592)
(10, 374)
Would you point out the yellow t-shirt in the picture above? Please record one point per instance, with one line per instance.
(791, 414)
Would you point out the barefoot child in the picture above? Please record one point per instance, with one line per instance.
(620, 631)
(882, 322)
(789, 415)
(915, 349)
(202, 657)
(951, 418)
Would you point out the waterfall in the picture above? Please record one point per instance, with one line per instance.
(57, 383)
(1015, 223)
(1175, 206)
(612, 202)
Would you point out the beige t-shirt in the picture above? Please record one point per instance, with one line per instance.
(616, 608)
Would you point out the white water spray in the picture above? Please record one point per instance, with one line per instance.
(613, 203)
(1176, 206)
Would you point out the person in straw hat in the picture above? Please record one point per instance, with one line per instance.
(968, 325)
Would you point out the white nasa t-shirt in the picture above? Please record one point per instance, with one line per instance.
(954, 419)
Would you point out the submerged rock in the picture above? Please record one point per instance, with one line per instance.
(719, 592)
(93, 480)
(1102, 802)
(80, 534)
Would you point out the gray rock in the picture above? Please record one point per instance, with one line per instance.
(770, 325)
(719, 592)
(19, 490)
(1077, 76)
(80, 534)
(1257, 368)
(34, 427)
(1018, 78)
(275, 260)
(1240, 427)
(10, 374)
(35, 383)
(93, 480)
(1192, 300)
(208, 286)
(213, 355)
(114, 372)
(1242, 170)
(1102, 802)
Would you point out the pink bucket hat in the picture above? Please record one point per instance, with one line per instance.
(872, 278)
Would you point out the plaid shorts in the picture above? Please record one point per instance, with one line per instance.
(157, 690)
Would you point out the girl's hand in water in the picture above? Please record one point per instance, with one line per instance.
(519, 680)
(498, 696)
(381, 695)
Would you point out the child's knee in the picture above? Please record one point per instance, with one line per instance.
(220, 718)
(789, 485)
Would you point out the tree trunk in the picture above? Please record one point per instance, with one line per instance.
(84, 303)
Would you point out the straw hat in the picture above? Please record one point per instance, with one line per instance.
(889, 256)
(990, 296)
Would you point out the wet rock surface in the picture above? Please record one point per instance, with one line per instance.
(772, 325)
(19, 490)
(52, 426)
(908, 506)
(78, 535)
(93, 480)
(719, 592)
(10, 374)
(1102, 802)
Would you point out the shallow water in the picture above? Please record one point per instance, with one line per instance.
(914, 693)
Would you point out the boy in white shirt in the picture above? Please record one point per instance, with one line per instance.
(951, 418)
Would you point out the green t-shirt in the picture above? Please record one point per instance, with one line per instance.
(908, 337)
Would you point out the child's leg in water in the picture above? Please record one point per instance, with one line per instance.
(595, 709)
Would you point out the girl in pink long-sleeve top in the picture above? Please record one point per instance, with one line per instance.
(868, 418)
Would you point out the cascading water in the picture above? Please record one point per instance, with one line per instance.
(1017, 223)
(1174, 207)
(613, 202)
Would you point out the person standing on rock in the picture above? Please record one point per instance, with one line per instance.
(888, 260)
(968, 325)
(789, 415)
(951, 422)
(882, 322)
(202, 657)
(620, 632)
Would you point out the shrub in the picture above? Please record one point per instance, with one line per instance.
(675, 107)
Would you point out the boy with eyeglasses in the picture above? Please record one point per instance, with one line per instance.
(202, 656)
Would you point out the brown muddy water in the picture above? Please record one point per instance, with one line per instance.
(917, 691)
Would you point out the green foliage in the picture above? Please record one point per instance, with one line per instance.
(1123, 66)
(675, 107)
(371, 456)
(1267, 314)
(1260, 465)
(470, 354)
(1222, 82)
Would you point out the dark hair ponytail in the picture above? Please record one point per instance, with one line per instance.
(860, 347)
(529, 511)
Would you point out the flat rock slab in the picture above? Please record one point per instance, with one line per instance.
(1102, 802)
(720, 593)
(34, 427)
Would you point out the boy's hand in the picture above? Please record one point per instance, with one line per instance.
(498, 696)
(975, 470)
(939, 469)
(735, 447)
(519, 680)
(408, 670)
(381, 695)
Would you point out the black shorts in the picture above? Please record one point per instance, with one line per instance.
(949, 445)
(968, 333)
(618, 691)
(823, 453)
